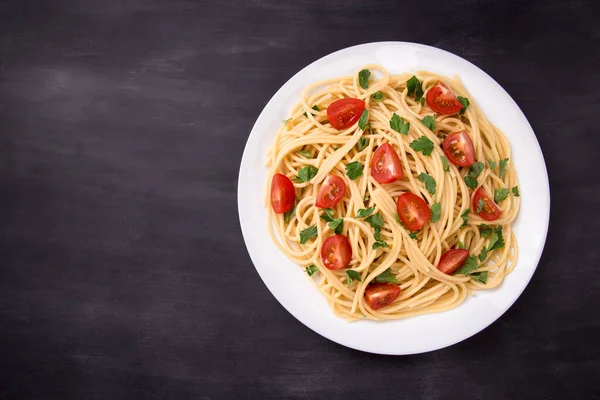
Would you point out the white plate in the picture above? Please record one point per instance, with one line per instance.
(289, 283)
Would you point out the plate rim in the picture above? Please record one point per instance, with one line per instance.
(546, 203)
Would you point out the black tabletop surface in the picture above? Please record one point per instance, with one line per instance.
(123, 272)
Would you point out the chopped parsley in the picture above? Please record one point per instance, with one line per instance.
(503, 164)
(465, 217)
(480, 276)
(422, 144)
(377, 96)
(413, 85)
(363, 78)
(461, 245)
(337, 225)
(429, 122)
(352, 275)
(308, 234)
(288, 215)
(364, 118)
(354, 170)
(328, 215)
(364, 212)
(306, 173)
(375, 220)
(305, 153)
(476, 169)
(515, 191)
(471, 182)
(379, 242)
(311, 269)
(492, 164)
(483, 254)
(480, 205)
(465, 102)
(315, 107)
(500, 194)
(362, 144)
(428, 181)
(445, 163)
(285, 121)
(386, 277)
(436, 212)
(397, 217)
(469, 266)
(397, 123)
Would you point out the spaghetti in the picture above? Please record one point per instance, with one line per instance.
(383, 252)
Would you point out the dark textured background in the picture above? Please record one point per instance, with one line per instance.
(123, 273)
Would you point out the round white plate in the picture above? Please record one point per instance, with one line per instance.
(289, 283)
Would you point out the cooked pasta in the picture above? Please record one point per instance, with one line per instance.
(454, 162)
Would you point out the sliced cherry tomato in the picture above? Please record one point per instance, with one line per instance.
(459, 149)
(283, 194)
(452, 260)
(379, 295)
(336, 252)
(413, 211)
(442, 100)
(490, 210)
(344, 113)
(331, 192)
(386, 166)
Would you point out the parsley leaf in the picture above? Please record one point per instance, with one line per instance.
(397, 217)
(445, 163)
(413, 85)
(485, 231)
(288, 215)
(337, 225)
(480, 276)
(471, 182)
(364, 212)
(500, 194)
(308, 234)
(469, 266)
(476, 169)
(328, 215)
(375, 220)
(398, 124)
(364, 118)
(306, 173)
(363, 78)
(428, 181)
(461, 245)
(311, 269)
(354, 170)
(436, 212)
(480, 205)
(497, 241)
(503, 164)
(362, 144)
(483, 254)
(352, 275)
(465, 217)
(429, 122)
(492, 164)
(377, 96)
(413, 235)
(285, 121)
(386, 277)
(465, 102)
(305, 153)
(315, 107)
(422, 144)
(515, 191)
(379, 242)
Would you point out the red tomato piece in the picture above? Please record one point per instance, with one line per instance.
(344, 113)
(336, 252)
(283, 194)
(379, 295)
(459, 149)
(413, 211)
(442, 100)
(331, 192)
(386, 166)
(452, 260)
(490, 210)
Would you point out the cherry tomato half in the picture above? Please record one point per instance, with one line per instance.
(331, 192)
(452, 260)
(490, 210)
(283, 194)
(344, 113)
(379, 295)
(413, 211)
(386, 166)
(459, 149)
(442, 100)
(336, 252)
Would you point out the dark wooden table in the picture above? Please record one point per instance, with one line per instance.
(123, 273)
